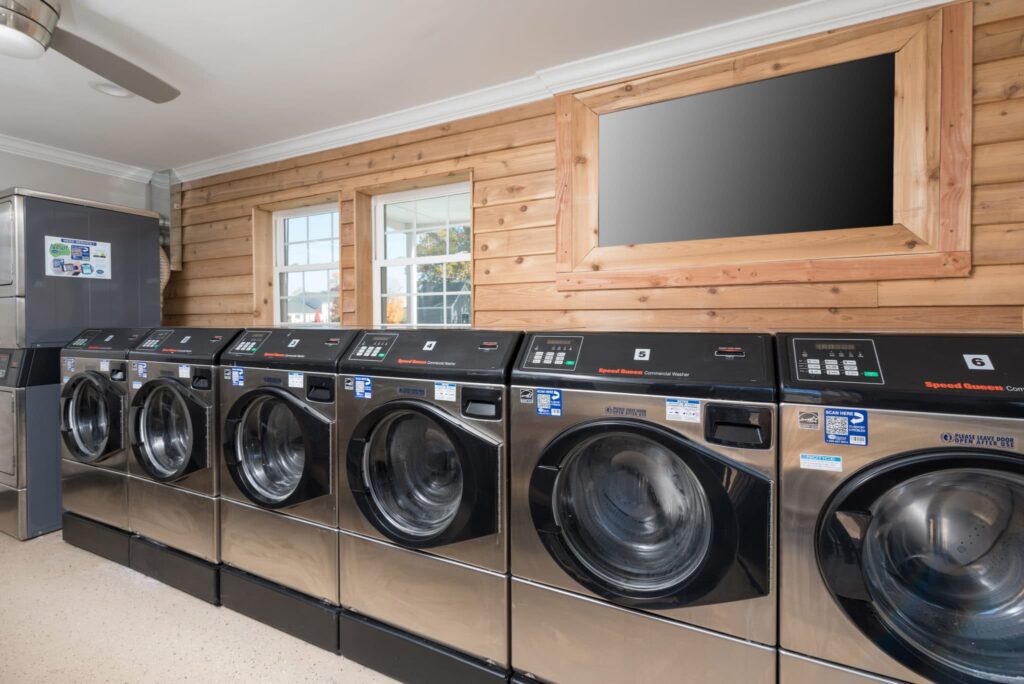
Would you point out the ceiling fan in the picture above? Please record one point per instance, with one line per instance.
(29, 27)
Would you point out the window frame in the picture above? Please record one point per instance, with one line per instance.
(930, 235)
(279, 219)
(379, 202)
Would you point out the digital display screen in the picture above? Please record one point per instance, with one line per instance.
(834, 346)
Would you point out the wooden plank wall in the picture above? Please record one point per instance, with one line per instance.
(510, 155)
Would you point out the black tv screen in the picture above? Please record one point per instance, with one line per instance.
(806, 151)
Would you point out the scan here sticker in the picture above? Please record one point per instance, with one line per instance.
(846, 426)
(549, 402)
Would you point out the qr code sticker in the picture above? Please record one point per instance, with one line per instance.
(837, 425)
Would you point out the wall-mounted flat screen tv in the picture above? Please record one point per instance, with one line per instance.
(806, 151)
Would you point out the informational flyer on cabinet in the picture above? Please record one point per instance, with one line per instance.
(74, 258)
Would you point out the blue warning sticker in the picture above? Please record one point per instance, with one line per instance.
(846, 426)
(238, 377)
(363, 387)
(549, 402)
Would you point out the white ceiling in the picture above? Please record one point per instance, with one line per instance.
(253, 72)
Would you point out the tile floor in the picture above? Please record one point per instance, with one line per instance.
(69, 616)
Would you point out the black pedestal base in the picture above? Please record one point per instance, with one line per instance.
(177, 569)
(95, 537)
(410, 658)
(284, 609)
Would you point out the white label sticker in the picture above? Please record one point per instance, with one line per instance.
(429, 346)
(818, 462)
(682, 410)
(73, 258)
(136, 384)
(444, 391)
(641, 354)
(105, 365)
(238, 377)
(184, 370)
(143, 369)
(296, 380)
(363, 387)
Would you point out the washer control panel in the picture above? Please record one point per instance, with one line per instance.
(837, 360)
(373, 346)
(251, 341)
(560, 352)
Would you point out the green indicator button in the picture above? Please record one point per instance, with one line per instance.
(380, 355)
(570, 363)
(870, 374)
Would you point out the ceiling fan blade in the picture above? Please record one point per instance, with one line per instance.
(111, 67)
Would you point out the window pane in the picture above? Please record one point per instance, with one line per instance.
(431, 243)
(459, 208)
(458, 275)
(430, 310)
(334, 281)
(295, 254)
(320, 253)
(334, 224)
(319, 227)
(394, 310)
(395, 279)
(290, 284)
(459, 238)
(400, 216)
(431, 213)
(430, 278)
(457, 309)
(295, 229)
(396, 245)
(316, 282)
(293, 310)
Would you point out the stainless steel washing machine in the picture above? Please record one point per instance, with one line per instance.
(902, 517)
(174, 436)
(642, 508)
(424, 539)
(279, 502)
(94, 438)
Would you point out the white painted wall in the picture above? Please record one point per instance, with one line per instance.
(35, 174)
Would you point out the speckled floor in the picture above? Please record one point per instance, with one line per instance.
(69, 616)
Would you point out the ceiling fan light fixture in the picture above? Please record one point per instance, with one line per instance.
(111, 89)
(26, 27)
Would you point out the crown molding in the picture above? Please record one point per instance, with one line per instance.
(776, 26)
(75, 160)
(481, 101)
(794, 21)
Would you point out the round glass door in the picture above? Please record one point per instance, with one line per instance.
(413, 474)
(632, 513)
(270, 446)
(88, 419)
(165, 431)
(942, 562)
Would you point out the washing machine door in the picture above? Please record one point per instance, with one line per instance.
(277, 448)
(91, 415)
(168, 428)
(923, 552)
(645, 518)
(420, 479)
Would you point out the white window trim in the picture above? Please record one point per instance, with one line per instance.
(379, 202)
(279, 218)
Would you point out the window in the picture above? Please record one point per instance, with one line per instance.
(306, 265)
(421, 257)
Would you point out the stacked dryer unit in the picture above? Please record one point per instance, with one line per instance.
(65, 264)
(902, 518)
(94, 440)
(643, 507)
(279, 499)
(173, 432)
(423, 490)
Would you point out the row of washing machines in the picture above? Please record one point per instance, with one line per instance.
(462, 505)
